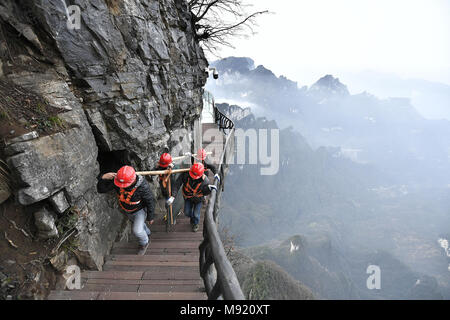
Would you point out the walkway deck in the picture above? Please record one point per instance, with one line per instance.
(168, 271)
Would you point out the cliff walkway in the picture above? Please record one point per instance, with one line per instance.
(180, 264)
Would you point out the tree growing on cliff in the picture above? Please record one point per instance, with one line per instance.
(218, 21)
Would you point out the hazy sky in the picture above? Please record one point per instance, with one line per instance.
(305, 39)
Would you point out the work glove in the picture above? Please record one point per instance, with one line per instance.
(171, 166)
(188, 154)
(216, 176)
(169, 201)
(211, 187)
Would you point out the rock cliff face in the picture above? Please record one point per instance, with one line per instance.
(127, 79)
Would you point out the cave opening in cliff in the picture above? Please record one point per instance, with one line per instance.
(112, 161)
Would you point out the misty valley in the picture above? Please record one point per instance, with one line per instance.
(362, 181)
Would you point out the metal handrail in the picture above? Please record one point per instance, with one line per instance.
(218, 275)
(222, 120)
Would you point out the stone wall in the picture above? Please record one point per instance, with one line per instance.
(130, 78)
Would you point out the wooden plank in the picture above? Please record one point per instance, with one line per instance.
(161, 244)
(184, 220)
(185, 227)
(155, 269)
(153, 263)
(172, 236)
(152, 296)
(158, 251)
(154, 257)
(185, 273)
(177, 236)
(95, 295)
(128, 275)
(110, 287)
(171, 288)
(168, 282)
(72, 295)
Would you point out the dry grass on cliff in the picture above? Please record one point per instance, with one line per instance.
(25, 272)
(22, 111)
(114, 6)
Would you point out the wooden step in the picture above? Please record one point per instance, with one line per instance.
(161, 244)
(158, 272)
(185, 227)
(150, 263)
(179, 220)
(144, 266)
(171, 288)
(113, 275)
(209, 125)
(176, 236)
(72, 295)
(155, 257)
(161, 233)
(167, 282)
(175, 273)
(111, 287)
(145, 273)
(157, 251)
(152, 296)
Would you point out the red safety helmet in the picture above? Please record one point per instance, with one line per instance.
(125, 177)
(201, 154)
(197, 171)
(165, 160)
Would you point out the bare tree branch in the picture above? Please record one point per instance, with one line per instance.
(231, 27)
(216, 22)
(205, 8)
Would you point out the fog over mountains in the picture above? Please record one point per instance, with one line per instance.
(388, 132)
(431, 99)
(362, 181)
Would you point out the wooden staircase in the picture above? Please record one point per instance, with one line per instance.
(168, 271)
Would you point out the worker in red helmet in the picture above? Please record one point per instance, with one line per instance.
(201, 157)
(135, 199)
(195, 185)
(165, 163)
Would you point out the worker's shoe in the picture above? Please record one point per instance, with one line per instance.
(143, 249)
(195, 227)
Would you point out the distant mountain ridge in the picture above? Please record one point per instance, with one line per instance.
(322, 194)
(386, 132)
(371, 175)
(328, 86)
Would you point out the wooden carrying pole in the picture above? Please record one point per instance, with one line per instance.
(156, 173)
(167, 182)
(170, 206)
(193, 155)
